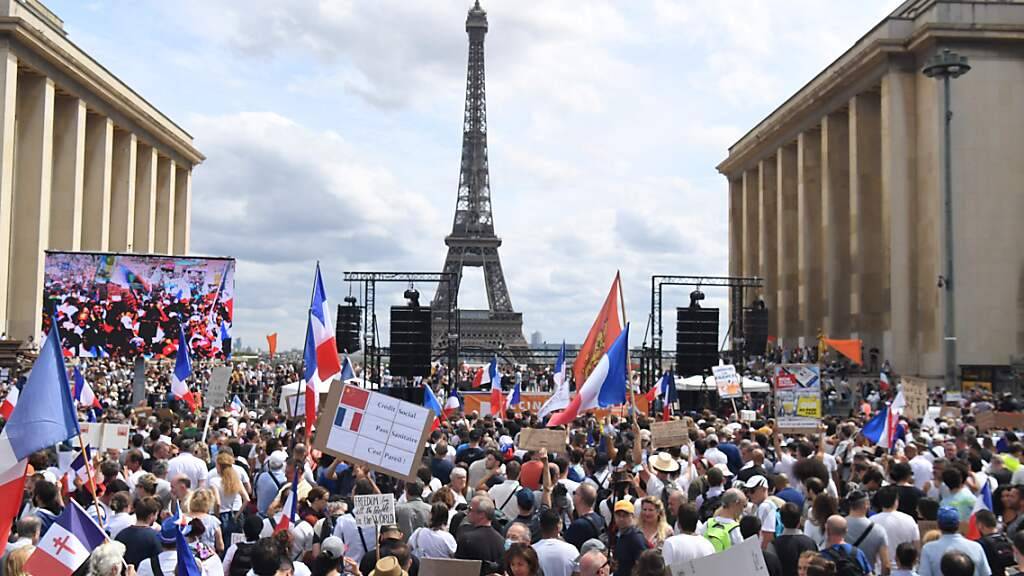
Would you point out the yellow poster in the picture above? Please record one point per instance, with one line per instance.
(808, 406)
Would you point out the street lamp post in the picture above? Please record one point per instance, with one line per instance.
(947, 65)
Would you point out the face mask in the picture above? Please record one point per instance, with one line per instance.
(508, 543)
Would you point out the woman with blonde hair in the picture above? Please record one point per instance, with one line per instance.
(199, 507)
(652, 522)
(233, 497)
(15, 563)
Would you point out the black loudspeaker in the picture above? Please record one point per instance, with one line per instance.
(412, 394)
(755, 330)
(410, 341)
(696, 340)
(346, 330)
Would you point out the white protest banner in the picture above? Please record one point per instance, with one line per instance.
(537, 438)
(748, 415)
(915, 392)
(745, 558)
(371, 428)
(374, 509)
(217, 391)
(727, 381)
(105, 436)
(92, 433)
(669, 434)
(797, 389)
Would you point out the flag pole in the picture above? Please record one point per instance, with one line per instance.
(92, 481)
(629, 378)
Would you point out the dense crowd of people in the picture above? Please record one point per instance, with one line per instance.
(945, 499)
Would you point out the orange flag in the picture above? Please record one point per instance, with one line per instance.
(602, 335)
(272, 343)
(848, 348)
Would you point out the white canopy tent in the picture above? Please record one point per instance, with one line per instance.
(694, 384)
(288, 392)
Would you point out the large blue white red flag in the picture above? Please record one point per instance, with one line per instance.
(327, 364)
(983, 502)
(182, 372)
(10, 402)
(66, 544)
(668, 395)
(497, 398)
(560, 398)
(606, 385)
(453, 404)
(84, 396)
(347, 372)
(430, 401)
(514, 398)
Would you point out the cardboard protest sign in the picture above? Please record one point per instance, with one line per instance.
(537, 438)
(669, 434)
(797, 390)
(915, 392)
(105, 436)
(990, 420)
(139, 381)
(217, 392)
(449, 567)
(950, 412)
(727, 381)
(748, 415)
(374, 509)
(745, 558)
(374, 429)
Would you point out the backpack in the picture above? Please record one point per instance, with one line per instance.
(718, 534)
(242, 560)
(779, 503)
(709, 507)
(1000, 551)
(845, 564)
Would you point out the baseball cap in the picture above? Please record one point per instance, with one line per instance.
(333, 547)
(390, 532)
(625, 506)
(855, 496)
(725, 469)
(276, 460)
(525, 498)
(756, 481)
(590, 545)
(948, 517)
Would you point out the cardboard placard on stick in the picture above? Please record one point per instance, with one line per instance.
(537, 438)
(370, 428)
(374, 509)
(105, 435)
(449, 567)
(990, 420)
(217, 391)
(915, 392)
(669, 434)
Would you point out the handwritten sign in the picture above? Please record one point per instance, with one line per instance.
(669, 434)
(727, 381)
(371, 428)
(449, 567)
(374, 509)
(217, 391)
(748, 415)
(105, 436)
(915, 392)
(744, 558)
(537, 438)
(990, 420)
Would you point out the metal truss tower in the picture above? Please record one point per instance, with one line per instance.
(473, 241)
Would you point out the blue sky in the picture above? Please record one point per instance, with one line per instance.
(332, 131)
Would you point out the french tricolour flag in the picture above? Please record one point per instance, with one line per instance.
(560, 398)
(606, 385)
(10, 402)
(453, 404)
(885, 428)
(84, 396)
(66, 544)
(347, 372)
(321, 350)
(668, 395)
(984, 502)
(236, 405)
(182, 372)
(514, 398)
(497, 398)
(430, 401)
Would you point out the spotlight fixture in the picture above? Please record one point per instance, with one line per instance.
(695, 297)
(350, 300)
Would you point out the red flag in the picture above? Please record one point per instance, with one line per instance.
(848, 348)
(272, 343)
(12, 486)
(602, 334)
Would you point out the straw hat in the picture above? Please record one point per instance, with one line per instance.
(388, 566)
(663, 462)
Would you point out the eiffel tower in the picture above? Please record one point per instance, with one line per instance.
(473, 241)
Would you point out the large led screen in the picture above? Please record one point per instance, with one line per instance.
(123, 305)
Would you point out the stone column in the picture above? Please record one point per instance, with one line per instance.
(899, 141)
(165, 187)
(810, 235)
(835, 198)
(122, 192)
(751, 202)
(99, 146)
(8, 102)
(182, 210)
(145, 198)
(786, 301)
(736, 226)
(68, 173)
(768, 239)
(31, 229)
(869, 263)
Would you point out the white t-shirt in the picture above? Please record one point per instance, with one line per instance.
(354, 538)
(766, 514)
(922, 469)
(899, 528)
(504, 495)
(734, 535)
(685, 547)
(428, 543)
(188, 465)
(227, 504)
(557, 557)
(716, 456)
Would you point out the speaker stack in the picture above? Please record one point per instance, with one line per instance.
(410, 341)
(346, 331)
(696, 340)
(755, 330)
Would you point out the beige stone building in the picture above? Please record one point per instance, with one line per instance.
(835, 198)
(85, 162)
